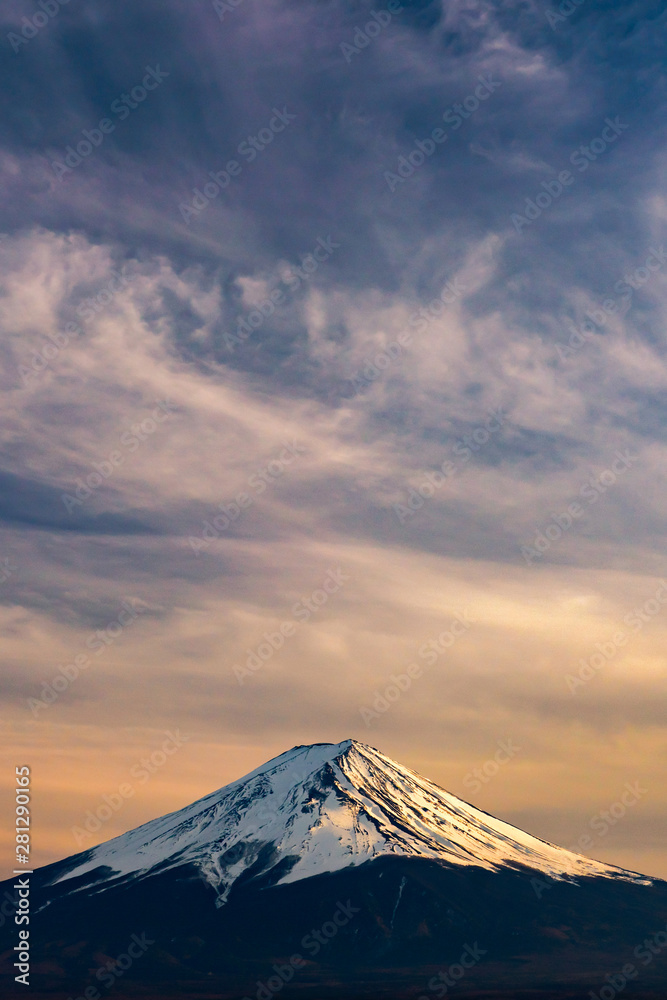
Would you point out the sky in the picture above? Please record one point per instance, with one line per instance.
(334, 404)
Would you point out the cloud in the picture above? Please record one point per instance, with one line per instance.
(136, 420)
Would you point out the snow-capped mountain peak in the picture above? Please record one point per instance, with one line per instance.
(321, 808)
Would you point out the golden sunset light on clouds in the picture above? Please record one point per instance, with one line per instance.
(325, 458)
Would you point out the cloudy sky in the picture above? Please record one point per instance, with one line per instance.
(390, 390)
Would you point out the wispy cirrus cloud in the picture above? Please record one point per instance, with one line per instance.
(111, 306)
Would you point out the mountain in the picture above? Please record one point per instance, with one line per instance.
(322, 808)
(403, 876)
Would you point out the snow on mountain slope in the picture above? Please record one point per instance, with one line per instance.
(322, 808)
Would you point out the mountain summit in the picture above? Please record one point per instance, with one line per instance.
(334, 871)
(316, 809)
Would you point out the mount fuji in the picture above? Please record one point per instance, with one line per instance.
(231, 886)
(317, 809)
